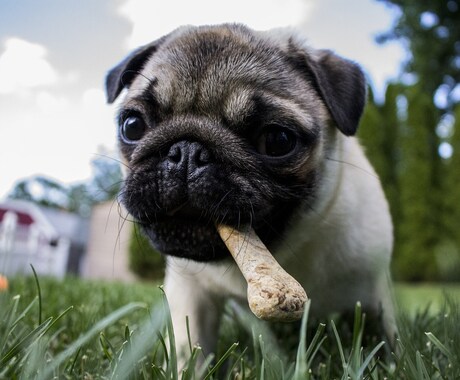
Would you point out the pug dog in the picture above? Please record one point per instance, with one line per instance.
(227, 125)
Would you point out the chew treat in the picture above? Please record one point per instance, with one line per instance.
(273, 294)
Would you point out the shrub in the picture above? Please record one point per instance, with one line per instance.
(144, 260)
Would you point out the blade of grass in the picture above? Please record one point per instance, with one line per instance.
(238, 360)
(315, 344)
(339, 344)
(55, 320)
(24, 344)
(129, 352)
(315, 351)
(74, 361)
(301, 360)
(356, 353)
(143, 341)
(205, 366)
(221, 361)
(358, 326)
(158, 373)
(99, 326)
(189, 339)
(422, 372)
(368, 359)
(188, 372)
(39, 291)
(106, 346)
(172, 364)
(9, 325)
(26, 341)
(441, 347)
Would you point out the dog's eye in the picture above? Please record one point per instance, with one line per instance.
(276, 142)
(133, 128)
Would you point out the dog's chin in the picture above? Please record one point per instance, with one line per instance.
(192, 239)
(191, 233)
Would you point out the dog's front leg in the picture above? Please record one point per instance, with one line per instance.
(187, 298)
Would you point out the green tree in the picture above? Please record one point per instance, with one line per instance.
(452, 195)
(379, 134)
(426, 206)
(372, 135)
(449, 250)
(78, 197)
(415, 258)
(431, 31)
(41, 190)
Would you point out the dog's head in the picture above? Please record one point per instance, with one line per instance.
(221, 124)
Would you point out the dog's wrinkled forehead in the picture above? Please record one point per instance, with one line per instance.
(210, 68)
(222, 69)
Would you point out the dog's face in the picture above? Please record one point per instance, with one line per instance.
(225, 125)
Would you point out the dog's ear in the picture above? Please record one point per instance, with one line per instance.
(343, 87)
(123, 74)
(340, 83)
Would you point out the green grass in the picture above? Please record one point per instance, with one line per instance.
(411, 298)
(74, 329)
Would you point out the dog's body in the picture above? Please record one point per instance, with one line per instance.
(227, 125)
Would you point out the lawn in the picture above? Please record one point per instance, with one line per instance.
(412, 298)
(78, 329)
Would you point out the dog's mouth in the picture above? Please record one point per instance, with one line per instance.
(184, 211)
(181, 220)
(189, 232)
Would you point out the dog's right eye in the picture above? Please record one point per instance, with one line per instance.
(133, 129)
(276, 141)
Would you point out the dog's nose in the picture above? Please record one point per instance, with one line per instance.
(188, 157)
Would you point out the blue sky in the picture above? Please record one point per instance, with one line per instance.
(54, 55)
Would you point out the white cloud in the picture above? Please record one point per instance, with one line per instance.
(345, 27)
(349, 28)
(48, 103)
(152, 19)
(58, 136)
(94, 98)
(23, 66)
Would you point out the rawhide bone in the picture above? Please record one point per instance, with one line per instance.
(273, 294)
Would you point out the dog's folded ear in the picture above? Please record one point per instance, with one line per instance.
(340, 83)
(343, 88)
(123, 74)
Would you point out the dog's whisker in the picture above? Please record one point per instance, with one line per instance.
(352, 165)
(121, 162)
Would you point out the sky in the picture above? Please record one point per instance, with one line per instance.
(54, 56)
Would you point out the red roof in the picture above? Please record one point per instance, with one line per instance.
(23, 218)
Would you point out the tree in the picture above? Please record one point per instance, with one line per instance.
(427, 205)
(418, 230)
(379, 135)
(78, 197)
(452, 195)
(431, 31)
(449, 252)
(41, 190)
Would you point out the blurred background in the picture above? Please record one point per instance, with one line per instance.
(59, 169)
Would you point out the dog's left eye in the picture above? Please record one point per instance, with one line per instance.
(133, 129)
(276, 142)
